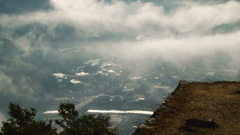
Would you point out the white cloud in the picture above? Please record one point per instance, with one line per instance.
(179, 50)
(136, 16)
(179, 35)
(139, 16)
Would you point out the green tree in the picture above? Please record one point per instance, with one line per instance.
(88, 124)
(21, 122)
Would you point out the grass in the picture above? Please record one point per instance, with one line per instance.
(217, 102)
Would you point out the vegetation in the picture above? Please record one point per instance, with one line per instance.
(197, 108)
(22, 122)
(85, 125)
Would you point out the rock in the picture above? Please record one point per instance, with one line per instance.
(201, 123)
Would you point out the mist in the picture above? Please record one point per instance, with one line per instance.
(188, 25)
(53, 51)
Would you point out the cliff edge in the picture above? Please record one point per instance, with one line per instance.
(197, 108)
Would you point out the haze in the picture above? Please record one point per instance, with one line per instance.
(48, 47)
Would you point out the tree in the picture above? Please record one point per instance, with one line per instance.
(88, 124)
(21, 122)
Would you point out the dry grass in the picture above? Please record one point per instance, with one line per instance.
(217, 102)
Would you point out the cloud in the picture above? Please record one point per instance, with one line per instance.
(2, 117)
(181, 34)
(145, 17)
(8, 87)
(178, 50)
(118, 16)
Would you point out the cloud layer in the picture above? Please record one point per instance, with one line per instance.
(181, 34)
(119, 16)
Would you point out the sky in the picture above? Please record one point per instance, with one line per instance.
(176, 31)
